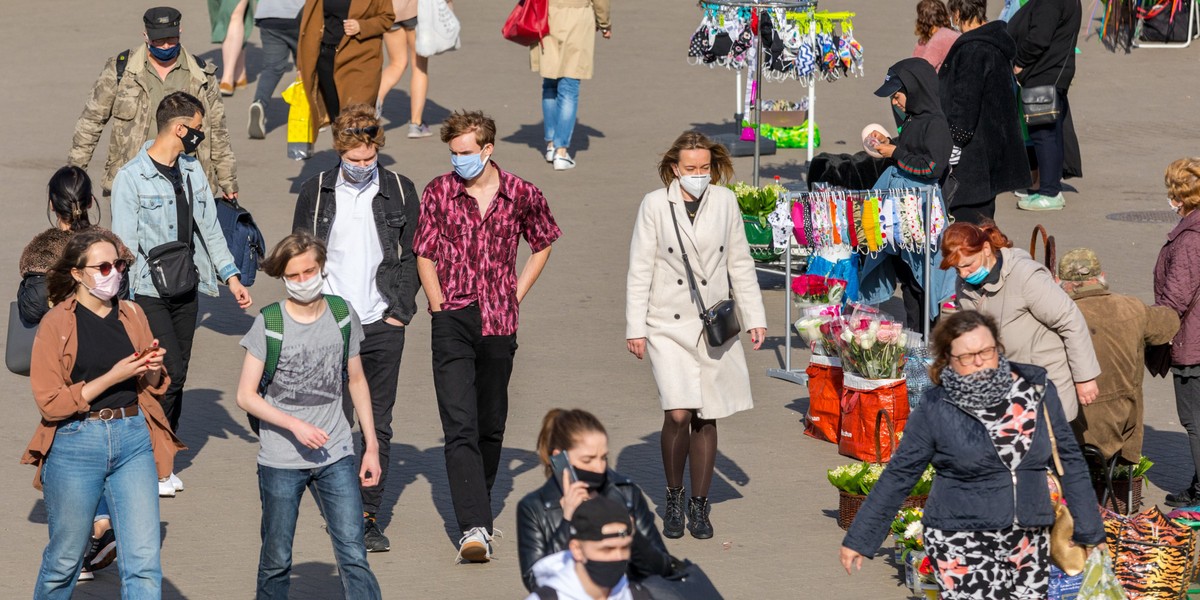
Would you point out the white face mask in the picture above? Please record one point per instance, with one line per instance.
(305, 291)
(1177, 208)
(695, 184)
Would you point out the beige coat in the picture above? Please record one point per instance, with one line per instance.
(568, 50)
(1039, 323)
(659, 305)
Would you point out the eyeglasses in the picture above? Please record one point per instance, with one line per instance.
(370, 130)
(106, 267)
(968, 359)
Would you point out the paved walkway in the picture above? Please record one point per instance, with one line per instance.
(775, 535)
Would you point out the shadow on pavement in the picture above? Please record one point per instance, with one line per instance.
(315, 580)
(532, 136)
(398, 107)
(1173, 469)
(223, 315)
(203, 419)
(642, 463)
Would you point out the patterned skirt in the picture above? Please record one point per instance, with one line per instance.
(1011, 563)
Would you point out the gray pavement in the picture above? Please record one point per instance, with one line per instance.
(775, 535)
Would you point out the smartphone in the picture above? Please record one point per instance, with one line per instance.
(147, 350)
(559, 463)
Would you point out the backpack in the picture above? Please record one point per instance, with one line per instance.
(273, 320)
(546, 592)
(243, 237)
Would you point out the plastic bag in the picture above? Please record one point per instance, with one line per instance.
(916, 372)
(1099, 581)
(437, 28)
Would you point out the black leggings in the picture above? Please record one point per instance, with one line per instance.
(325, 81)
(685, 435)
(1187, 403)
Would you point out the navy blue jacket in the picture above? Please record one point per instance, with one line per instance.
(973, 489)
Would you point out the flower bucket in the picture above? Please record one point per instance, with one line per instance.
(1118, 500)
(874, 412)
(848, 505)
(761, 240)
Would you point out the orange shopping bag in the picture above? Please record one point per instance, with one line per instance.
(871, 407)
(824, 398)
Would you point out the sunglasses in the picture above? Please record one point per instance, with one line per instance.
(370, 130)
(106, 267)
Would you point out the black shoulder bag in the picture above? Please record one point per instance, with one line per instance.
(720, 320)
(1041, 103)
(172, 267)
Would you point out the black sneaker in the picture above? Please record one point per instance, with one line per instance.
(104, 551)
(373, 537)
(1187, 497)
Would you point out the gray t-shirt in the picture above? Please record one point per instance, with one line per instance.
(308, 386)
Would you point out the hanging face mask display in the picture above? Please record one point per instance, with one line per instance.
(305, 291)
(359, 174)
(191, 139)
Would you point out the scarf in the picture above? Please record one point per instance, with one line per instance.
(981, 389)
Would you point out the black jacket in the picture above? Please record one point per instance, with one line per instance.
(923, 146)
(973, 490)
(541, 530)
(1046, 32)
(980, 101)
(396, 216)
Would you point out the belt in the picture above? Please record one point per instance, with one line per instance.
(109, 414)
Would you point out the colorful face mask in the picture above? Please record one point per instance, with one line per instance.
(871, 229)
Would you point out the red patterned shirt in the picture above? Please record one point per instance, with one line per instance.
(477, 256)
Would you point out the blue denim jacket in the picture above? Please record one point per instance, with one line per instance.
(144, 216)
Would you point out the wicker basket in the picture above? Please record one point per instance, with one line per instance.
(848, 505)
(1117, 503)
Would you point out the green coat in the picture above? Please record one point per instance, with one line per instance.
(219, 12)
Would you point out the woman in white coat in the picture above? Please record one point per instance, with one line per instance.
(697, 383)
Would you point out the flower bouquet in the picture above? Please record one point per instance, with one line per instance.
(873, 347)
(817, 330)
(815, 290)
(919, 575)
(1127, 481)
(908, 532)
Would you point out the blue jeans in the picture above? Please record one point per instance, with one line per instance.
(560, 103)
(335, 488)
(279, 50)
(89, 460)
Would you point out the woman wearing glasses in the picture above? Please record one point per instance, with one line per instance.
(1040, 323)
(96, 373)
(989, 428)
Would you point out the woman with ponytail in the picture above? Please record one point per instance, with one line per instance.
(543, 516)
(1039, 322)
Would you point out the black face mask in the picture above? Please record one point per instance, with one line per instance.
(191, 140)
(606, 574)
(594, 481)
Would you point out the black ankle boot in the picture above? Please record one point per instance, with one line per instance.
(673, 521)
(698, 522)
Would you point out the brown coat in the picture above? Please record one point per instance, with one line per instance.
(58, 398)
(358, 66)
(1121, 327)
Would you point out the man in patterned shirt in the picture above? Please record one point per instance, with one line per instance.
(466, 247)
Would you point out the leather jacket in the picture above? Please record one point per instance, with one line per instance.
(541, 530)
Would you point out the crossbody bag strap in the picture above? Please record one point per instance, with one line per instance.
(192, 217)
(687, 266)
(317, 208)
(1058, 468)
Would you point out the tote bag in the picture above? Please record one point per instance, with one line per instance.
(824, 417)
(528, 22)
(874, 412)
(437, 28)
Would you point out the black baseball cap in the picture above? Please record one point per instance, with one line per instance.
(162, 22)
(891, 85)
(592, 515)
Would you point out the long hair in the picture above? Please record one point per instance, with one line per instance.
(966, 239)
(721, 166)
(931, 14)
(70, 192)
(60, 285)
(560, 430)
(949, 329)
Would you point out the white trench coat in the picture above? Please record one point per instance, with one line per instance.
(660, 308)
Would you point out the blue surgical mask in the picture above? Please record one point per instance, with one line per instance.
(357, 174)
(978, 276)
(469, 166)
(164, 54)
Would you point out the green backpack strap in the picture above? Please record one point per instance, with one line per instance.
(273, 320)
(341, 314)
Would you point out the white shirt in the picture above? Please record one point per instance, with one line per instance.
(354, 252)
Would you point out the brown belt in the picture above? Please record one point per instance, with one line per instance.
(109, 414)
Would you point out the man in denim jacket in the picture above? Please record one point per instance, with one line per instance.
(162, 196)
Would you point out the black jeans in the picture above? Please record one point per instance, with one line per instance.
(325, 81)
(279, 49)
(470, 376)
(1187, 403)
(1048, 148)
(380, 352)
(173, 322)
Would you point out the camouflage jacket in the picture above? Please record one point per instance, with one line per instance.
(127, 104)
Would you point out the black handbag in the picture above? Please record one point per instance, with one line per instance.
(18, 348)
(690, 583)
(172, 267)
(720, 320)
(1041, 103)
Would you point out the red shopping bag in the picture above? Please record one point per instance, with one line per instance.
(874, 412)
(824, 398)
(528, 22)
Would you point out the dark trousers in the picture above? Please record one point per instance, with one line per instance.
(1187, 403)
(279, 49)
(325, 82)
(470, 376)
(173, 322)
(380, 351)
(1048, 148)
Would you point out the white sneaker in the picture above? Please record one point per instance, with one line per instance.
(563, 162)
(550, 154)
(165, 488)
(176, 481)
(475, 546)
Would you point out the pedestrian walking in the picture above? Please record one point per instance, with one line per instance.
(161, 201)
(563, 58)
(341, 54)
(466, 247)
(300, 353)
(279, 29)
(580, 438)
(697, 383)
(1041, 324)
(1121, 327)
(992, 428)
(1177, 285)
(129, 89)
(366, 216)
(232, 24)
(401, 43)
(593, 568)
(979, 99)
(97, 373)
(934, 32)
